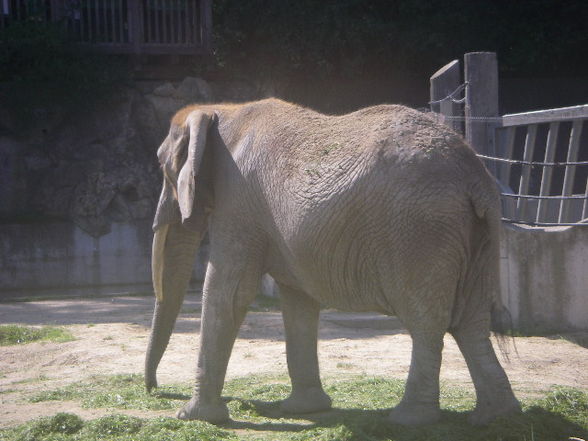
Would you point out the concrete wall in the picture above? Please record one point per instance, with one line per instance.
(35, 258)
(544, 271)
(545, 277)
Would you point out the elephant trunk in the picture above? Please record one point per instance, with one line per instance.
(174, 249)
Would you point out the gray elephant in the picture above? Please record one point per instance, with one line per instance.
(380, 210)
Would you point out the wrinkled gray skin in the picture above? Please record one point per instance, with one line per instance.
(378, 210)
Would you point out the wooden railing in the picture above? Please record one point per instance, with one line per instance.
(123, 26)
(539, 159)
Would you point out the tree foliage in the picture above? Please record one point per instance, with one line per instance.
(350, 38)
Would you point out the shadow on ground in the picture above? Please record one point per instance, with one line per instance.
(261, 322)
(534, 423)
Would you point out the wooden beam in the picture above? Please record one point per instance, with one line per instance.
(570, 174)
(525, 181)
(443, 82)
(545, 116)
(546, 177)
(481, 76)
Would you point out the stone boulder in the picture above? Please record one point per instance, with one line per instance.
(167, 99)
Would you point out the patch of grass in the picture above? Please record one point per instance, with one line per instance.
(56, 427)
(69, 427)
(342, 365)
(118, 391)
(265, 304)
(14, 335)
(360, 408)
(114, 425)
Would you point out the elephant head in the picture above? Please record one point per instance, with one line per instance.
(180, 223)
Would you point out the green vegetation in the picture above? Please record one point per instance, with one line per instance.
(118, 391)
(14, 335)
(64, 427)
(264, 304)
(351, 38)
(360, 409)
(44, 72)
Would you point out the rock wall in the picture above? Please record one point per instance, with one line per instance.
(95, 166)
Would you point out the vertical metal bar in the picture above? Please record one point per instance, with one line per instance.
(568, 185)
(182, 21)
(136, 28)
(504, 172)
(80, 12)
(585, 206)
(89, 16)
(187, 21)
(526, 171)
(206, 25)
(177, 21)
(172, 15)
(164, 20)
(97, 20)
(147, 22)
(121, 24)
(157, 26)
(54, 9)
(4, 13)
(509, 205)
(104, 21)
(112, 22)
(543, 204)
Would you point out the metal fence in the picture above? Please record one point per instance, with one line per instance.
(542, 164)
(122, 26)
(539, 159)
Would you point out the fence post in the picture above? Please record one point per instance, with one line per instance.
(443, 82)
(135, 26)
(481, 76)
(206, 24)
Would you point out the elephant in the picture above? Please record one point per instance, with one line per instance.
(383, 210)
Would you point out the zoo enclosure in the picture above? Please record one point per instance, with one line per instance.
(155, 27)
(539, 158)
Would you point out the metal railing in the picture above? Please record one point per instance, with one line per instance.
(539, 159)
(123, 26)
(541, 164)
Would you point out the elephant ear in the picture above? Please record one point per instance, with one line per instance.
(198, 124)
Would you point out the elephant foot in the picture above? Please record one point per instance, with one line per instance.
(313, 399)
(212, 413)
(415, 414)
(483, 415)
(150, 383)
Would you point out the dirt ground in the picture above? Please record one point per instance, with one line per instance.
(112, 333)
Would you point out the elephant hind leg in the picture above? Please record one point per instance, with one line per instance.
(420, 404)
(301, 316)
(494, 396)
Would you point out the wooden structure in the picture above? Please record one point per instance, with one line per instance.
(540, 159)
(180, 27)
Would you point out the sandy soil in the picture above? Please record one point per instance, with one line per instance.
(111, 337)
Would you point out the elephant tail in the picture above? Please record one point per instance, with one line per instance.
(479, 301)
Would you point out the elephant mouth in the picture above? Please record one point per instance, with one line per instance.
(157, 260)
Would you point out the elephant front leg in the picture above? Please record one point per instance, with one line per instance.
(301, 316)
(225, 301)
(420, 404)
